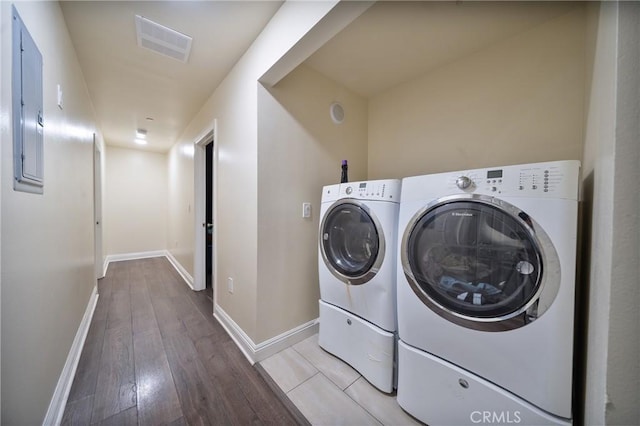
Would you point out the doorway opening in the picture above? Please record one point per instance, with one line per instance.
(209, 219)
(204, 254)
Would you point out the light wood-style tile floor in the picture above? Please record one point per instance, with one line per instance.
(328, 391)
(154, 355)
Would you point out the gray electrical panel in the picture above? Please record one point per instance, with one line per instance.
(28, 119)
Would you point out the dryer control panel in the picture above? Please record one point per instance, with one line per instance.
(380, 190)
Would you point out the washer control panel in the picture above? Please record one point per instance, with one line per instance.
(555, 179)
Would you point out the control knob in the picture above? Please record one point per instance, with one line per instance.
(463, 182)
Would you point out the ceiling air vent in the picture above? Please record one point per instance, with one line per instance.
(163, 40)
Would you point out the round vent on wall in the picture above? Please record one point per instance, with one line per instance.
(337, 112)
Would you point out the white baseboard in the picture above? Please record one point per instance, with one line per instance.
(105, 265)
(61, 392)
(178, 267)
(254, 352)
(258, 352)
(148, 254)
(132, 256)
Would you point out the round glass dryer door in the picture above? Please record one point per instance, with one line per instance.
(477, 262)
(351, 242)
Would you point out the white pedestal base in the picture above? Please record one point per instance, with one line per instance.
(362, 345)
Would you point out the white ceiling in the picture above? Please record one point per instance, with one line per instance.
(390, 43)
(127, 83)
(393, 42)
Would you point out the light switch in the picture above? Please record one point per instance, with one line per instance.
(306, 210)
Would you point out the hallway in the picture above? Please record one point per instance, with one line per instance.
(425, 87)
(155, 355)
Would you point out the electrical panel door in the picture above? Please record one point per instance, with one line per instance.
(28, 120)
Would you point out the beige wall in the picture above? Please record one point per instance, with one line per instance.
(623, 370)
(135, 209)
(47, 240)
(180, 214)
(299, 151)
(231, 104)
(597, 173)
(517, 101)
(234, 105)
(611, 262)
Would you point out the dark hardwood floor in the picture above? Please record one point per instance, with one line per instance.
(155, 355)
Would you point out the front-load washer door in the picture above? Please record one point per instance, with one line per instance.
(352, 243)
(480, 262)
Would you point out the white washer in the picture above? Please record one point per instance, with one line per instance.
(357, 271)
(486, 290)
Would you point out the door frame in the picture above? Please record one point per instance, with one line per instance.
(199, 168)
(97, 210)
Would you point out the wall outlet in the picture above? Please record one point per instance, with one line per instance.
(230, 285)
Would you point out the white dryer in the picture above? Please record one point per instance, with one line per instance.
(486, 290)
(357, 274)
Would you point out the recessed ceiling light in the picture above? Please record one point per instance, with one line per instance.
(141, 134)
(140, 141)
(149, 118)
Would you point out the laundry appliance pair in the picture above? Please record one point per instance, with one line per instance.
(478, 267)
